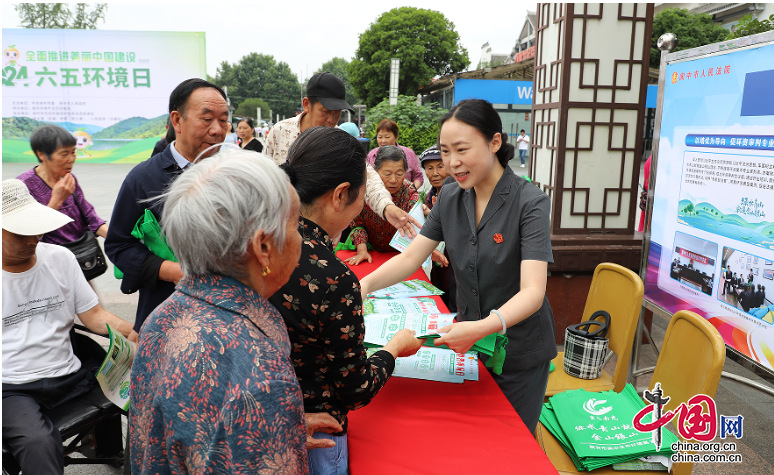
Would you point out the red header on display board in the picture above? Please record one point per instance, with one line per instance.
(693, 256)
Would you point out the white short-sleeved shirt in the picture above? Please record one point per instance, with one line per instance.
(523, 142)
(39, 308)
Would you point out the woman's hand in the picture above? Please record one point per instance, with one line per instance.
(461, 336)
(102, 231)
(320, 422)
(61, 191)
(403, 343)
(425, 210)
(437, 256)
(362, 255)
(170, 272)
(402, 221)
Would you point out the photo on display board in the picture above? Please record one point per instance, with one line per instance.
(693, 262)
(745, 290)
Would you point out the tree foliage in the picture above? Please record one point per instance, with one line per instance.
(260, 75)
(750, 26)
(82, 16)
(249, 107)
(417, 123)
(338, 67)
(692, 30)
(423, 40)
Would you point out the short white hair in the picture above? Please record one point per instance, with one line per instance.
(214, 209)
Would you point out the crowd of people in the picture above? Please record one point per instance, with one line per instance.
(250, 329)
(743, 290)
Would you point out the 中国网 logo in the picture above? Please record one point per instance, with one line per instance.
(696, 421)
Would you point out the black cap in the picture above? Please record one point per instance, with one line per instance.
(329, 90)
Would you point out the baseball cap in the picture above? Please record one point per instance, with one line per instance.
(329, 90)
(430, 153)
(24, 216)
(350, 128)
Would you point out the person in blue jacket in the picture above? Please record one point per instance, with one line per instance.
(199, 115)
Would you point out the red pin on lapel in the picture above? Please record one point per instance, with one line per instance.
(498, 238)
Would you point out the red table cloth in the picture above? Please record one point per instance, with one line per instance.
(426, 427)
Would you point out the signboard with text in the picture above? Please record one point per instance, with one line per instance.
(712, 223)
(109, 88)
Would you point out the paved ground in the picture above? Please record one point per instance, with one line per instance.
(101, 182)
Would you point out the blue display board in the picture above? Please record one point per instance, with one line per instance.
(713, 205)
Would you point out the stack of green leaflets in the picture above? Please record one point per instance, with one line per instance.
(596, 429)
(411, 306)
(436, 364)
(380, 328)
(407, 288)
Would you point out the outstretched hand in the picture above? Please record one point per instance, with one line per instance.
(460, 336)
(402, 221)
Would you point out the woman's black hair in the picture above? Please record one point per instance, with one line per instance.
(321, 159)
(50, 138)
(390, 153)
(480, 115)
(249, 123)
(171, 135)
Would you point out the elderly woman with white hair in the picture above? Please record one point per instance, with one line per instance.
(213, 388)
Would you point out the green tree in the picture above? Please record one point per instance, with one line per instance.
(82, 16)
(423, 40)
(750, 26)
(260, 75)
(417, 123)
(490, 64)
(338, 67)
(249, 107)
(692, 30)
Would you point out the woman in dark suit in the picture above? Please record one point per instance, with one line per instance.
(496, 228)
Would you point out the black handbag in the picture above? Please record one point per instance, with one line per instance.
(87, 251)
(585, 350)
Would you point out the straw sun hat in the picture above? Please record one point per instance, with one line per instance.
(24, 216)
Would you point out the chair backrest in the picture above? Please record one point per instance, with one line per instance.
(690, 363)
(691, 359)
(618, 291)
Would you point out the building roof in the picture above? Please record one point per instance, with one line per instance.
(521, 70)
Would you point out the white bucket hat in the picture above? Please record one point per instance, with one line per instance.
(24, 216)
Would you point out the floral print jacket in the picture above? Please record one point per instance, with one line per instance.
(213, 389)
(321, 305)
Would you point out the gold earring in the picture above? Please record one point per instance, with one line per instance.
(265, 272)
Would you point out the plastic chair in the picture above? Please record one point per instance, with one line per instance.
(690, 363)
(619, 291)
(92, 421)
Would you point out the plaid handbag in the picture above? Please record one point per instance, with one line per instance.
(584, 350)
